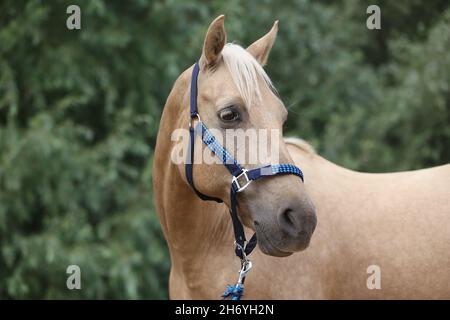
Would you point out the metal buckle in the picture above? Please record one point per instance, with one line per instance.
(192, 119)
(235, 180)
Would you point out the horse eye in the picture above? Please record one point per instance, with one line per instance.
(228, 115)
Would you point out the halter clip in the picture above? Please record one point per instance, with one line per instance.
(246, 267)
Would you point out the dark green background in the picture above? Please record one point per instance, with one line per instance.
(79, 113)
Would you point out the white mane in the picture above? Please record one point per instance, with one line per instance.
(244, 70)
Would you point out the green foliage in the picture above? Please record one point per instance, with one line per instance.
(79, 112)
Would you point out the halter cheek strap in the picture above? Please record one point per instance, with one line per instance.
(190, 153)
(241, 179)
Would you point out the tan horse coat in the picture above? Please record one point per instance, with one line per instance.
(397, 221)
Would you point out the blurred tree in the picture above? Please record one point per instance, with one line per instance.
(79, 113)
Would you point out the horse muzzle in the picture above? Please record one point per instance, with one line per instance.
(289, 231)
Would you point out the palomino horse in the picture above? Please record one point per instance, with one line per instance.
(398, 222)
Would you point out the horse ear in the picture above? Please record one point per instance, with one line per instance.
(214, 42)
(260, 49)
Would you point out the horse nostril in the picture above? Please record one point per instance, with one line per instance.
(288, 216)
(288, 223)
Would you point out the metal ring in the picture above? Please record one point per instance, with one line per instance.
(192, 118)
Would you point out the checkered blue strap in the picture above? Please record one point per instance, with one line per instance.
(274, 169)
(232, 165)
(210, 140)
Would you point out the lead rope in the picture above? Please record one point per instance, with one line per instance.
(242, 250)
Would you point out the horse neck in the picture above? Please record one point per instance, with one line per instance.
(193, 228)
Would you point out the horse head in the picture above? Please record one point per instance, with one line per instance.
(235, 96)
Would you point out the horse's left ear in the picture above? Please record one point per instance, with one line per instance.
(260, 49)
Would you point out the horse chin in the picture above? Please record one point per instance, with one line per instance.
(268, 248)
(278, 247)
(272, 251)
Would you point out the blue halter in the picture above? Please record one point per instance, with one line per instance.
(241, 179)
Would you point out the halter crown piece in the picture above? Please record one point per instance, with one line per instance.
(241, 179)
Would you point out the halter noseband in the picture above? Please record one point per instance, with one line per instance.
(241, 179)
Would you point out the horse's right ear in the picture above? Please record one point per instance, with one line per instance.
(214, 42)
